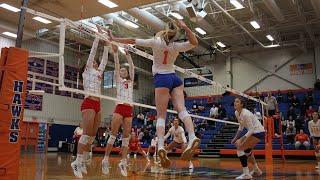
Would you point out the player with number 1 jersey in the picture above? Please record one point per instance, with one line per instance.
(167, 83)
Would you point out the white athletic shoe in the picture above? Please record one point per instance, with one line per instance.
(105, 167)
(190, 165)
(135, 156)
(128, 156)
(189, 151)
(244, 176)
(317, 167)
(164, 160)
(76, 167)
(123, 167)
(256, 172)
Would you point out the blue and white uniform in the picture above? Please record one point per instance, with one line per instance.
(164, 59)
(249, 121)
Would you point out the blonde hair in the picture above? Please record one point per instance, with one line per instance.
(171, 29)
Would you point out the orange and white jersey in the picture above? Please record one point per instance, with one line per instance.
(92, 77)
(125, 90)
(164, 55)
(314, 128)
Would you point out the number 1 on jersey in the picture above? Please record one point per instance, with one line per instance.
(165, 59)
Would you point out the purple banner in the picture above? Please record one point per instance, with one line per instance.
(34, 102)
(29, 83)
(52, 69)
(71, 73)
(43, 86)
(63, 93)
(36, 65)
(78, 96)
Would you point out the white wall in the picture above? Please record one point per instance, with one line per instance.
(246, 71)
(66, 110)
(246, 74)
(5, 42)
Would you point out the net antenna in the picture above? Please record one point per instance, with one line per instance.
(86, 29)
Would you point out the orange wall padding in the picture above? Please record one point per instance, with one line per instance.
(13, 81)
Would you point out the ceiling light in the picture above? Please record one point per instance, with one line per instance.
(273, 45)
(10, 34)
(176, 15)
(201, 31)
(270, 37)
(255, 25)
(161, 5)
(43, 30)
(221, 44)
(43, 20)
(236, 4)
(8, 7)
(108, 3)
(131, 24)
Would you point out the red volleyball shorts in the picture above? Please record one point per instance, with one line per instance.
(90, 104)
(124, 110)
(134, 147)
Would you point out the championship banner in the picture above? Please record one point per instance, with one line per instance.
(13, 84)
(34, 102)
(301, 69)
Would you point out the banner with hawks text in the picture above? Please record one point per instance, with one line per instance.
(13, 81)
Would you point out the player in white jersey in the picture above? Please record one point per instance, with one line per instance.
(153, 145)
(246, 143)
(179, 138)
(167, 83)
(90, 108)
(123, 113)
(314, 129)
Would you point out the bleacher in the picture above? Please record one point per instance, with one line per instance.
(215, 140)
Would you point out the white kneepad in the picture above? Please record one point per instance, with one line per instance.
(161, 122)
(111, 139)
(183, 115)
(125, 142)
(84, 139)
(240, 153)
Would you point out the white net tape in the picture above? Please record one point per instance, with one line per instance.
(68, 23)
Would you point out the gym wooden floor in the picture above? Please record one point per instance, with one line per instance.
(57, 166)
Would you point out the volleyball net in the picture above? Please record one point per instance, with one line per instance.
(68, 80)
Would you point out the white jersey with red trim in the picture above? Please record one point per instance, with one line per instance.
(92, 77)
(314, 128)
(178, 134)
(125, 90)
(164, 55)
